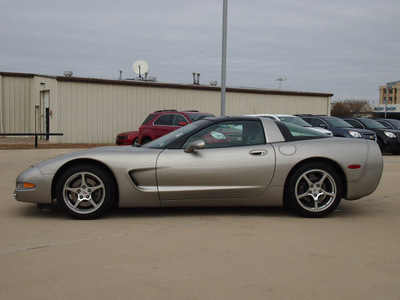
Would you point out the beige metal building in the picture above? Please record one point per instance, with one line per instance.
(88, 110)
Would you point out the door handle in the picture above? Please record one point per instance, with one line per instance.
(259, 152)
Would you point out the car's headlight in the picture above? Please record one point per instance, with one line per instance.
(390, 135)
(355, 134)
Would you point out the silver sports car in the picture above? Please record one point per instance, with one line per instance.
(224, 161)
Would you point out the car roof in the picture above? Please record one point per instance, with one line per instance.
(167, 111)
(318, 116)
(233, 118)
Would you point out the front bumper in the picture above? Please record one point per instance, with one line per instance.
(40, 193)
(392, 145)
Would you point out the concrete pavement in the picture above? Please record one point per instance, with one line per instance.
(199, 253)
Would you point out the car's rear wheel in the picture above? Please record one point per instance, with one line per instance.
(85, 191)
(314, 190)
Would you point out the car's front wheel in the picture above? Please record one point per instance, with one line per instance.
(85, 191)
(314, 190)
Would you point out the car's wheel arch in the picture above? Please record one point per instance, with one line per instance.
(92, 162)
(321, 160)
(147, 133)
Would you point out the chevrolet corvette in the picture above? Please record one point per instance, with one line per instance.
(222, 161)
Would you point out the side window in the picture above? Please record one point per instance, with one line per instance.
(179, 119)
(230, 134)
(355, 123)
(164, 120)
(317, 123)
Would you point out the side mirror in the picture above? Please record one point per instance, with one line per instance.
(322, 125)
(200, 144)
(182, 123)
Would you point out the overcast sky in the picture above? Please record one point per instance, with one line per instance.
(345, 47)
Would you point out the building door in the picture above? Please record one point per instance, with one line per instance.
(45, 113)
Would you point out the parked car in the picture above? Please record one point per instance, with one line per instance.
(339, 127)
(294, 120)
(127, 138)
(162, 122)
(389, 123)
(264, 163)
(388, 139)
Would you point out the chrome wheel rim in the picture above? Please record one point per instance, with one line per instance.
(316, 190)
(84, 192)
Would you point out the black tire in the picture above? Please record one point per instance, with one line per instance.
(85, 191)
(146, 140)
(314, 190)
(380, 144)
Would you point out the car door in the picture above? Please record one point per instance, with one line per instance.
(235, 163)
(163, 125)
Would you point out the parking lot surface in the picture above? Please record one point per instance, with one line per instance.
(199, 253)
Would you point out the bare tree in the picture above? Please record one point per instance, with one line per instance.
(351, 108)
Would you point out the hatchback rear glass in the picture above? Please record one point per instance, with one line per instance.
(196, 117)
(149, 117)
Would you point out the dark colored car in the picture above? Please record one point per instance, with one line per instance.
(388, 139)
(162, 122)
(389, 123)
(127, 138)
(339, 127)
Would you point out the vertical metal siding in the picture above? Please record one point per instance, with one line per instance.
(16, 96)
(95, 112)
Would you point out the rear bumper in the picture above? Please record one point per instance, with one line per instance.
(371, 177)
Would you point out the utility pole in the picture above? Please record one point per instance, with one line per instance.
(280, 81)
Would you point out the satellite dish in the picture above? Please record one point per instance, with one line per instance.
(140, 67)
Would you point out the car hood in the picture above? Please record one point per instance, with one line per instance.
(366, 131)
(382, 130)
(125, 133)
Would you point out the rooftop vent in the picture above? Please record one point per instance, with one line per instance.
(68, 73)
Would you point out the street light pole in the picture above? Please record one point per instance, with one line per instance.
(223, 63)
(387, 98)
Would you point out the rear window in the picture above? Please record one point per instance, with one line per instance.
(149, 117)
(196, 117)
(294, 132)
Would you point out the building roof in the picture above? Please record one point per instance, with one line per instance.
(169, 85)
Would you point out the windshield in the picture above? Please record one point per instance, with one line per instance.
(395, 123)
(294, 120)
(170, 138)
(372, 124)
(196, 117)
(338, 123)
